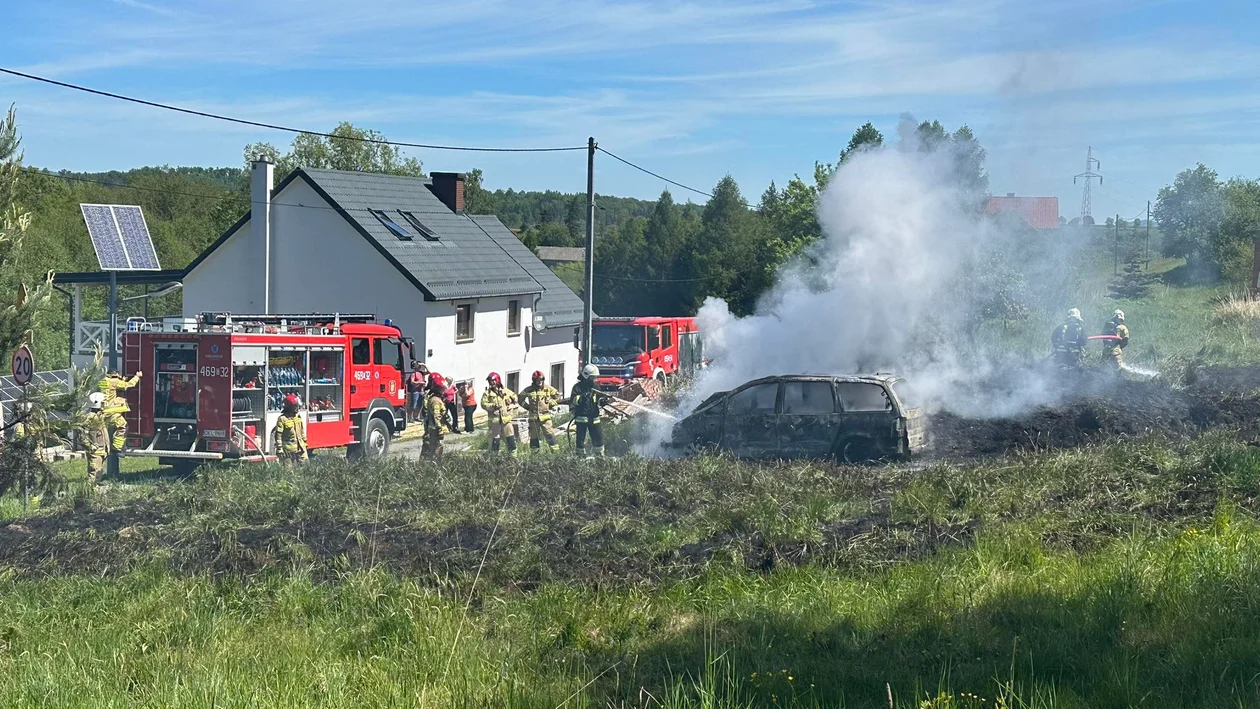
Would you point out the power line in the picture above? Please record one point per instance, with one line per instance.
(618, 158)
(272, 126)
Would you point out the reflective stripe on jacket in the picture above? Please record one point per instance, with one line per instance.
(290, 434)
(539, 401)
(498, 405)
(111, 387)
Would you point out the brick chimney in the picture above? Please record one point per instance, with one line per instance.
(449, 187)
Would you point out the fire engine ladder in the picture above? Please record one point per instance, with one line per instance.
(130, 365)
(241, 322)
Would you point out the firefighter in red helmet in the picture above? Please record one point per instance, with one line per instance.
(539, 399)
(289, 434)
(434, 417)
(499, 404)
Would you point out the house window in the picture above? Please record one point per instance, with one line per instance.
(398, 229)
(514, 317)
(557, 376)
(361, 351)
(464, 322)
(513, 382)
(419, 226)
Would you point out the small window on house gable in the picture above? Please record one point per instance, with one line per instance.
(420, 227)
(464, 322)
(514, 317)
(399, 230)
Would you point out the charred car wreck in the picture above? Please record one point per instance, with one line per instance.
(848, 418)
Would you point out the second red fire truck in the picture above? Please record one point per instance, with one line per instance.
(214, 387)
(626, 349)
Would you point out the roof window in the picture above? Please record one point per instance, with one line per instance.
(419, 226)
(399, 230)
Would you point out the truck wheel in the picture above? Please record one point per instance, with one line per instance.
(375, 441)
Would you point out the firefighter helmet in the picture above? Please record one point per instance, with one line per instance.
(96, 401)
(1074, 314)
(113, 373)
(291, 401)
(590, 371)
(494, 379)
(538, 376)
(436, 381)
(1118, 315)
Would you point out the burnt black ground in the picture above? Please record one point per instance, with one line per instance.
(1098, 407)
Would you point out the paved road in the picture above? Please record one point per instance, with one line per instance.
(410, 448)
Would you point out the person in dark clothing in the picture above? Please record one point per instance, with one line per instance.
(587, 402)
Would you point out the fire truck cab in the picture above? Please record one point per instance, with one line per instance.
(213, 387)
(626, 349)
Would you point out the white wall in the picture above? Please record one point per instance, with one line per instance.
(225, 281)
(321, 264)
(492, 349)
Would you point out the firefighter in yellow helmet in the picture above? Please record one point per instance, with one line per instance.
(96, 438)
(289, 434)
(539, 399)
(499, 403)
(116, 406)
(435, 414)
(587, 402)
(1116, 328)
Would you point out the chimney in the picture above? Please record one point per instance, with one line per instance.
(449, 187)
(261, 181)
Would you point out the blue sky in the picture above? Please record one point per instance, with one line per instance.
(691, 89)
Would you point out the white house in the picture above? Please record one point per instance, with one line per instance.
(474, 299)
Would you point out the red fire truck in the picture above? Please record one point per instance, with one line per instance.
(626, 349)
(214, 386)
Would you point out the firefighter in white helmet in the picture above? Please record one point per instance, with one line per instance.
(586, 402)
(1115, 327)
(96, 437)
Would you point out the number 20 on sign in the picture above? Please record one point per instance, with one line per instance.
(23, 366)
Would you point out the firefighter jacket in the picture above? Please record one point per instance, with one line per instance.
(289, 434)
(586, 402)
(435, 416)
(115, 402)
(539, 401)
(1118, 329)
(97, 437)
(498, 405)
(1070, 335)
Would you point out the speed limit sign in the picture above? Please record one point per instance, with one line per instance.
(23, 366)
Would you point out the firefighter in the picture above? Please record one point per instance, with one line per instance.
(96, 438)
(499, 403)
(1116, 328)
(539, 398)
(289, 435)
(1069, 341)
(116, 405)
(587, 401)
(435, 415)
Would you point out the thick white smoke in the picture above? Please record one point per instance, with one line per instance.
(885, 291)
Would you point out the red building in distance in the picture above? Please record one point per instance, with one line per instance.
(1038, 212)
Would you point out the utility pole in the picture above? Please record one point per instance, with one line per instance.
(1146, 248)
(588, 300)
(1087, 199)
(112, 463)
(1115, 257)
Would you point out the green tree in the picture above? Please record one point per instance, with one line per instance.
(866, 137)
(348, 148)
(1189, 214)
(1110, 222)
(1240, 228)
(477, 200)
(575, 219)
(969, 158)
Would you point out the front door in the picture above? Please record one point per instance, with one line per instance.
(807, 419)
(751, 429)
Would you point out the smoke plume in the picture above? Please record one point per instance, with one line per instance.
(898, 284)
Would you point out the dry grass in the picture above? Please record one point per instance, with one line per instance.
(1236, 308)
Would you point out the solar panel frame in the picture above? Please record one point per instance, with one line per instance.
(135, 236)
(120, 237)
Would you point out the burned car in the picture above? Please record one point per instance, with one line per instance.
(848, 418)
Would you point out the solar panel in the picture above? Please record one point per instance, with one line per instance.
(135, 236)
(120, 237)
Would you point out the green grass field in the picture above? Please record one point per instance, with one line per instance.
(1118, 574)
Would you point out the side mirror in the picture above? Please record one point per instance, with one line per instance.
(577, 338)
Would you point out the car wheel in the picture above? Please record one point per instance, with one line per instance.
(855, 450)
